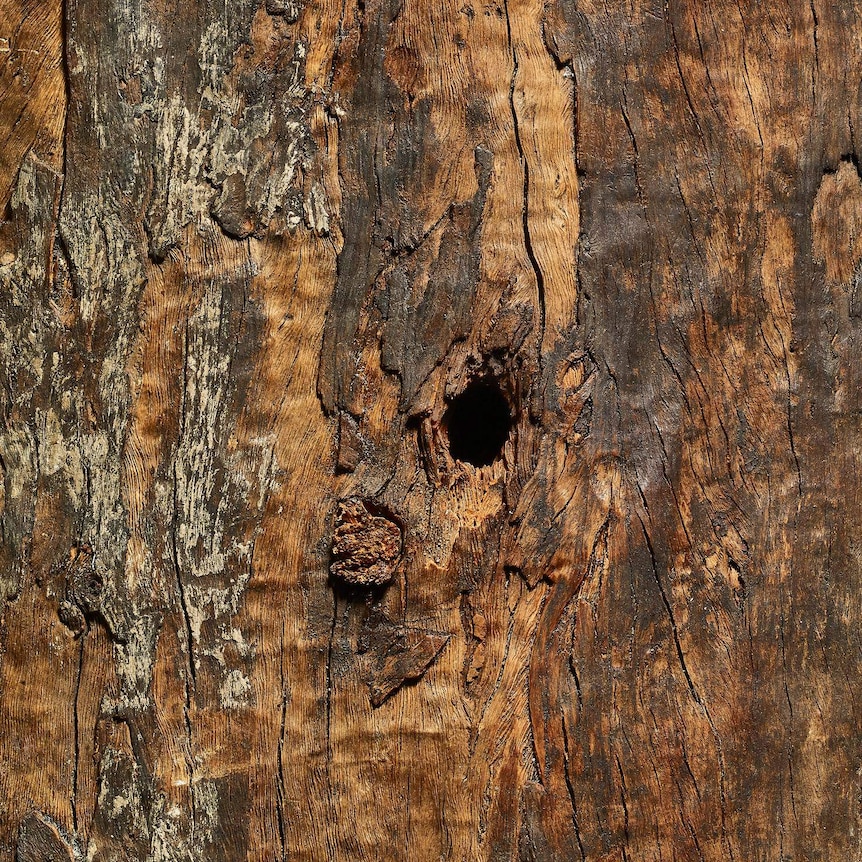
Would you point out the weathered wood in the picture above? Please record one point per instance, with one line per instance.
(430, 430)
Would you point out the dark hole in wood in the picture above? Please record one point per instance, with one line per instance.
(478, 423)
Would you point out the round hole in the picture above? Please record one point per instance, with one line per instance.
(478, 422)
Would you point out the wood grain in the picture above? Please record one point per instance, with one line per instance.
(252, 256)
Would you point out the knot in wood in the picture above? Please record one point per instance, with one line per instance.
(84, 583)
(366, 545)
(83, 588)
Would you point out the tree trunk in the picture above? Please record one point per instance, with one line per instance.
(430, 430)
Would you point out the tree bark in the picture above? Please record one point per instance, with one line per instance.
(430, 430)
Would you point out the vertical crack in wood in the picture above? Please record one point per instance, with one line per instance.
(692, 690)
(190, 681)
(573, 801)
(280, 800)
(525, 218)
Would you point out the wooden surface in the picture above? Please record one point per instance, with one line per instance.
(273, 274)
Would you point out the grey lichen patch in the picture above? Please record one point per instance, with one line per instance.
(135, 660)
(29, 330)
(366, 545)
(288, 8)
(235, 691)
(124, 805)
(245, 159)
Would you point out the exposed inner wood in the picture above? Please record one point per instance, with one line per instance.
(430, 430)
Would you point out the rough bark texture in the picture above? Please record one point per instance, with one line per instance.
(264, 267)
